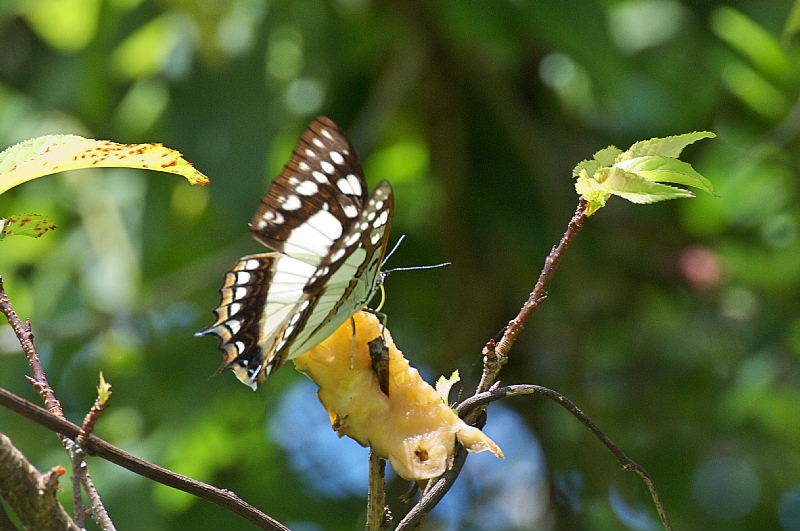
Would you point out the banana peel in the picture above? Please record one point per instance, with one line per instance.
(412, 426)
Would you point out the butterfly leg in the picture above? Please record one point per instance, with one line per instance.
(353, 344)
(382, 317)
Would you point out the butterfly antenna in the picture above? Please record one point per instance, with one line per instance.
(412, 268)
(385, 273)
(399, 241)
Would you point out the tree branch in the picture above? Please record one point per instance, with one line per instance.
(481, 400)
(32, 496)
(495, 356)
(99, 447)
(478, 403)
(81, 478)
(495, 353)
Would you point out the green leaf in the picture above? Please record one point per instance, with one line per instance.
(792, 21)
(635, 188)
(604, 157)
(103, 390)
(670, 146)
(591, 191)
(607, 156)
(33, 225)
(666, 169)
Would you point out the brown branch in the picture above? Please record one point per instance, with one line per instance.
(80, 470)
(495, 356)
(32, 496)
(25, 336)
(495, 353)
(99, 447)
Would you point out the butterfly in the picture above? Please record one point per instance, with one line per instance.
(329, 239)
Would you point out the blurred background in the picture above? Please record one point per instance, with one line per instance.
(674, 325)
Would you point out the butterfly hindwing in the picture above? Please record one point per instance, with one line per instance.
(330, 238)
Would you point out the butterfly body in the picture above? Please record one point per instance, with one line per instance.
(329, 238)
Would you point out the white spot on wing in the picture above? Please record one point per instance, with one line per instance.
(317, 142)
(350, 211)
(327, 167)
(234, 325)
(326, 133)
(352, 239)
(240, 293)
(304, 166)
(242, 277)
(336, 157)
(327, 224)
(311, 153)
(234, 308)
(307, 188)
(252, 264)
(291, 202)
(345, 186)
(355, 183)
(381, 221)
(375, 238)
(311, 240)
(338, 255)
(319, 176)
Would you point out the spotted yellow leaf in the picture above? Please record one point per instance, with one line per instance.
(50, 154)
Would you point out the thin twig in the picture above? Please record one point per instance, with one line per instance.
(495, 356)
(101, 448)
(481, 400)
(25, 336)
(80, 470)
(376, 496)
(495, 353)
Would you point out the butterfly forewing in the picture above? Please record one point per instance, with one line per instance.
(330, 237)
(354, 264)
(317, 197)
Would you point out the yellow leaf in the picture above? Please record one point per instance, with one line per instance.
(443, 385)
(56, 153)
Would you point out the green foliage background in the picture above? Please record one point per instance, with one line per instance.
(675, 325)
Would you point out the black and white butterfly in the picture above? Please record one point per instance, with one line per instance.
(330, 239)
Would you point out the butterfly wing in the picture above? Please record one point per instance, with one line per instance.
(330, 240)
(317, 197)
